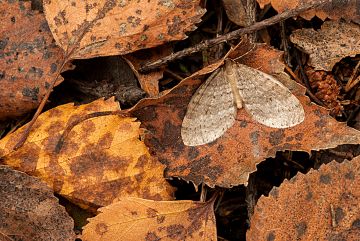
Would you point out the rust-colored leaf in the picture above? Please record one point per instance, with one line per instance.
(140, 219)
(327, 46)
(29, 210)
(229, 160)
(348, 10)
(101, 158)
(321, 205)
(86, 29)
(29, 58)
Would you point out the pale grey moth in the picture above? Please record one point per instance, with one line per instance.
(213, 108)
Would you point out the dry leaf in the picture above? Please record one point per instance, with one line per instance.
(326, 47)
(236, 12)
(140, 219)
(101, 159)
(321, 205)
(230, 159)
(29, 58)
(348, 9)
(29, 210)
(149, 82)
(86, 29)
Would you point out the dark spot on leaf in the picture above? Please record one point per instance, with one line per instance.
(350, 175)
(3, 43)
(299, 136)
(301, 229)
(243, 124)
(53, 68)
(202, 167)
(356, 224)
(160, 219)
(254, 137)
(270, 236)
(193, 153)
(220, 148)
(138, 11)
(133, 213)
(2, 75)
(339, 215)
(32, 93)
(13, 20)
(309, 195)
(325, 179)
(118, 46)
(276, 137)
(146, 27)
(175, 231)
(289, 138)
(151, 213)
(101, 229)
(151, 236)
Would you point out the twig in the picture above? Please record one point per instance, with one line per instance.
(232, 35)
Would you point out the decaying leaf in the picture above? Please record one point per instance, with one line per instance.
(348, 9)
(230, 159)
(101, 158)
(149, 82)
(321, 205)
(326, 47)
(29, 58)
(86, 29)
(30, 211)
(213, 108)
(235, 10)
(140, 219)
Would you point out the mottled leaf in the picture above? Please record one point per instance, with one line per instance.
(327, 46)
(140, 219)
(86, 29)
(29, 210)
(29, 58)
(321, 205)
(230, 159)
(101, 158)
(348, 9)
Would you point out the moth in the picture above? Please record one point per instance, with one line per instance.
(213, 108)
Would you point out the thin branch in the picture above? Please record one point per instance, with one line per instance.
(232, 35)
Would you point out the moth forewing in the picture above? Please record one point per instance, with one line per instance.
(211, 111)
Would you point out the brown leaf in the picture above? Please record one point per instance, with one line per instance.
(348, 10)
(29, 58)
(229, 160)
(235, 11)
(101, 159)
(327, 46)
(149, 82)
(321, 205)
(140, 219)
(29, 210)
(99, 28)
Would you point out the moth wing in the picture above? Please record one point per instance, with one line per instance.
(267, 100)
(210, 113)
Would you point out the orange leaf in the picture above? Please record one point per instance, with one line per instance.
(140, 219)
(29, 58)
(86, 29)
(321, 205)
(101, 159)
